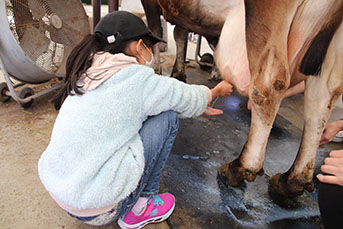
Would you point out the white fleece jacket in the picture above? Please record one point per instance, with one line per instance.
(95, 157)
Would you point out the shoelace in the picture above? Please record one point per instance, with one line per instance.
(157, 200)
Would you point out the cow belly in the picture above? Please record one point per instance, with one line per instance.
(205, 17)
(310, 18)
(231, 52)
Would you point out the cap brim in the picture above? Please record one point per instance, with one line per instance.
(155, 39)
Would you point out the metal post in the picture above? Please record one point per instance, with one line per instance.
(96, 11)
(113, 5)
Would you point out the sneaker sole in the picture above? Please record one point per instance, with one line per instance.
(158, 219)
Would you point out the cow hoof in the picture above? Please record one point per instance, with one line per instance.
(281, 184)
(179, 76)
(234, 174)
(228, 178)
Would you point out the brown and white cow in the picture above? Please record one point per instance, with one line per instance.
(283, 43)
(204, 17)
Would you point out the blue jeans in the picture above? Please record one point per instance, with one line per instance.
(158, 134)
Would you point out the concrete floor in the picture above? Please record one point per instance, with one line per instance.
(202, 145)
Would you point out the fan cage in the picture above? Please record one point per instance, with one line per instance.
(26, 28)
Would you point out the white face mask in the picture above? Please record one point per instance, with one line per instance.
(147, 63)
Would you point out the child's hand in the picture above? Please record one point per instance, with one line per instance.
(223, 89)
(333, 168)
(212, 111)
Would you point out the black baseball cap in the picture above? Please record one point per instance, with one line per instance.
(121, 25)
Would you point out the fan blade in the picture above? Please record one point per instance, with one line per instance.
(22, 16)
(63, 36)
(75, 24)
(37, 9)
(34, 42)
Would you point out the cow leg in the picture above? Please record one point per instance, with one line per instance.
(157, 64)
(153, 11)
(270, 78)
(265, 94)
(181, 39)
(320, 95)
(250, 162)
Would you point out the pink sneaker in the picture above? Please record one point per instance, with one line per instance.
(158, 209)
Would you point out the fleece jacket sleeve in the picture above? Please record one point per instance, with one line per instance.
(163, 93)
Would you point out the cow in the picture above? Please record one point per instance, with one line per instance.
(153, 11)
(204, 17)
(264, 48)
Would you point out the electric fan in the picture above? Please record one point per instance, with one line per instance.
(36, 37)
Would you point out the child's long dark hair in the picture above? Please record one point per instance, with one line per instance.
(80, 59)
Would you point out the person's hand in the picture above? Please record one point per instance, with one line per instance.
(333, 168)
(330, 132)
(212, 111)
(223, 89)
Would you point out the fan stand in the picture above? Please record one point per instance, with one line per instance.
(26, 95)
